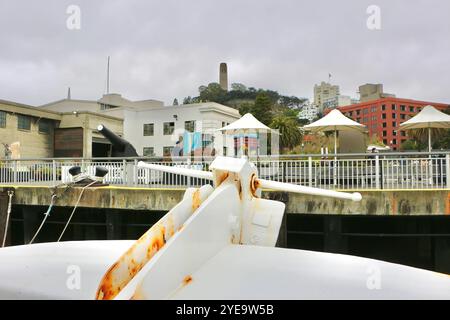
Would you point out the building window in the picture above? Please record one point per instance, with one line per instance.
(358, 112)
(411, 109)
(374, 126)
(394, 107)
(358, 120)
(167, 151)
(403, 116)
(2, 119)
(365, 111)
(149, 129)
(383, 116)
(384, 141)
(384, 125)
(23, 122)
(394, 124)
(350, 113)
(169, 128)
(44, 126)
(402, 108)
(104, 106)
(394, 133)
(383, 107)
(403, 133)
(394, 141)
(384, 133)
(374, 109)
(374, 118)
(148, 152)
(393, 116)
(189, 126)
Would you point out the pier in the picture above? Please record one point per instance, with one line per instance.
(404, 215)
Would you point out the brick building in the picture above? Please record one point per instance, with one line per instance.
(384, 116)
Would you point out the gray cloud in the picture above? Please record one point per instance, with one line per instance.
(166, 49)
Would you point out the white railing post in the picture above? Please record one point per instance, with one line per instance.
(124, 177)
(15, 172)
(377, 172)
(189, 166)
(447, 170)
(135, 172)
(54, 171)
(310, 171)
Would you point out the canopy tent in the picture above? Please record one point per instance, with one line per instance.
(244, 126)
(334, 121)
(428, 118)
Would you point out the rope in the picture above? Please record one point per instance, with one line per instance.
(8, 213)
(74, 208)
(45, 217)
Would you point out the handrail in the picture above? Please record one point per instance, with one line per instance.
(261, 157)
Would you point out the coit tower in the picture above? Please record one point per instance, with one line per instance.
(223, 76)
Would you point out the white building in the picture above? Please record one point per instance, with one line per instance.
(108, 101)
(309, 112)
(154, 129)
(323, 92)
(337, 101)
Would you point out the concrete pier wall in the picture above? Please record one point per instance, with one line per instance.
(384, 203)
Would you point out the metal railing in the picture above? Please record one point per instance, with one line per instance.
(398, 171)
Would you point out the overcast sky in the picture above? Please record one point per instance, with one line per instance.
(166, 49)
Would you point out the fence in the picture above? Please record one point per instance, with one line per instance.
(345, 171)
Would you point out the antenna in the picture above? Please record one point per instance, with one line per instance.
(68, 94)
(107, 78)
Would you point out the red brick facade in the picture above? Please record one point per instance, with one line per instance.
(384, 116)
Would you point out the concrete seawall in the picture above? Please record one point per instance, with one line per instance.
(379, 202)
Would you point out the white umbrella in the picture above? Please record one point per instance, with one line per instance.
(428, 118)
(248, 123)
(334, 121)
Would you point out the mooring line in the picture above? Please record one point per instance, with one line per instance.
(46, 214)
(74, 208)
(8, 214)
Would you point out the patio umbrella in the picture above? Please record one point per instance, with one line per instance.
(429, 118)
(334, 121)
(245, 125)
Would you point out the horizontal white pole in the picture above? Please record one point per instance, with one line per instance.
(176, 170)
(288, 187)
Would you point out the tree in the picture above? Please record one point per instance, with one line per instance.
(246, 108)
(187, 100)
(291, 102)
(412, 145)
(175, 102)
(213, 92)
(443, 141)
(420, 136)
(303, 122)
(291, 113)
(375, 140)
(290, 133)
(238, 87)
(263, 108)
